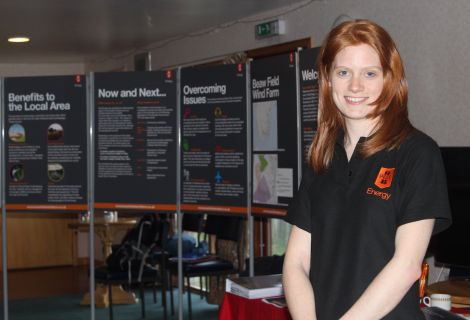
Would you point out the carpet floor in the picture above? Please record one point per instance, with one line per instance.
(68, 308)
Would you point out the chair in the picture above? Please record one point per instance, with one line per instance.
(159, 259)
(128, 264)
(192, 222)
(224, 228)
(195, 222)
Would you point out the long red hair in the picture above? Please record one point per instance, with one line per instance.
(393, 126)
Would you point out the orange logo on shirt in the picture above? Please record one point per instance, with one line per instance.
(385, 177)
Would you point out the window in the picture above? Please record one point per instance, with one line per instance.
(280, 231)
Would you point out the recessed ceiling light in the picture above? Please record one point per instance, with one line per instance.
(18, 39)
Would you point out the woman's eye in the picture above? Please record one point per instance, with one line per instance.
(371, 74)
(342, 73)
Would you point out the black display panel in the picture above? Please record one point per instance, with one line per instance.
(46, 143)
(135, 140)
(451, 247)
(214, 139)
(275, 141)
(308, 87)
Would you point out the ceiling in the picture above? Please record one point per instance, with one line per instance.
(86, 30)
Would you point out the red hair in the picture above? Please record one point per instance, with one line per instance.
(391, 106)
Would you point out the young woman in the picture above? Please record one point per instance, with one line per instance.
(373, 194)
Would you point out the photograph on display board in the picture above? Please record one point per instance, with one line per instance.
(214, 139)
(17, 172)
(55, 132)
(55, 172)
(17, 133)
(46, 166)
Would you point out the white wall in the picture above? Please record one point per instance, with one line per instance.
(38, 69)
(432, 36)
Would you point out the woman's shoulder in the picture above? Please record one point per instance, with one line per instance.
(418, 150)
(308, 173)
(418, 143)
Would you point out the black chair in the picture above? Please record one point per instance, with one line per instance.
(159, 259)
(224, 228)
(192, 222)
(195, 222)
(129, 264)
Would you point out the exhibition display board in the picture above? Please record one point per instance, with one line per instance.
(45, 160)
(135, 137)
(275, 143)
(214, 139)
(135, 134)
(308, 87)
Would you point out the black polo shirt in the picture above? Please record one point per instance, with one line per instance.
(352, 212)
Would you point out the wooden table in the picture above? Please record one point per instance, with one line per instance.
(106, 232)
(458, 289)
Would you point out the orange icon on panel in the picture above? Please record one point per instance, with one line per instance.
(385, 177)
(169, 74)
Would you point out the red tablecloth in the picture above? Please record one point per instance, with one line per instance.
(238, 308)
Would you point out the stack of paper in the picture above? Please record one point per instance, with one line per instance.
(256, 287)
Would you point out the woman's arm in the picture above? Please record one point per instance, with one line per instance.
(401, 272)
(297, 287)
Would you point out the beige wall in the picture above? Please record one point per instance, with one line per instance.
(46, 69)
(432, 36)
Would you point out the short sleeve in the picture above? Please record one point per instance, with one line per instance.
(423, 184)
(299, 211)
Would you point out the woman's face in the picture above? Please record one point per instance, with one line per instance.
(356, 81)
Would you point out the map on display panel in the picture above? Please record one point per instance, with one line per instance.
(275, 151)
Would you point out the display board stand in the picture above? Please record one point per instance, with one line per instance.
(250, 225)
(91, 190)
(179, 217)
(2, 199)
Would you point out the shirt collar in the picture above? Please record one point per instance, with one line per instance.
(340, 138)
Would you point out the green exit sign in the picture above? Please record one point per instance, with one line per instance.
(270, 28)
